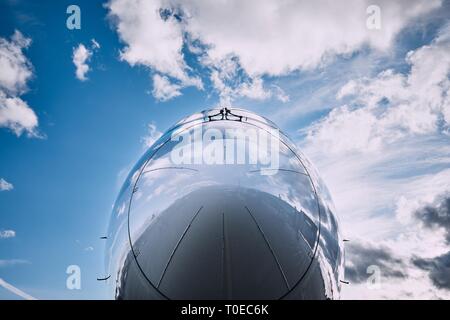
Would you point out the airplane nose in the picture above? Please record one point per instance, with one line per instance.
(255, 223)
(226, 242)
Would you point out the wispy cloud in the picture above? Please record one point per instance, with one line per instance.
(385, 156)
(5, 185)
(392, 106)
(12, 262)
(5, 234)
(15, 290)
(95, 44)
(152, 135)
(163, 89)
(86, 247)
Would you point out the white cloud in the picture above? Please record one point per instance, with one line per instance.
(277, 37)
(163, 89)
(392, 106)
(15, 114)
(376, 195)
(254, 90)
(152, 135)
(150, 40)
(225, 78)
(81, 56)
(16, 68)
(280, 94)
(5, 234)
(5, 185)
(386, 153)
(260, 38)
(412, 242)
(154, 42)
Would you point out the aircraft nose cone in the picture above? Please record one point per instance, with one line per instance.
(223, 206)
(226, 243)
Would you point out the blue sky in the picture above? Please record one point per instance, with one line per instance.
(347, 96)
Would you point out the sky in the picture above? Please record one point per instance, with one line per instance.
(362, 88)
